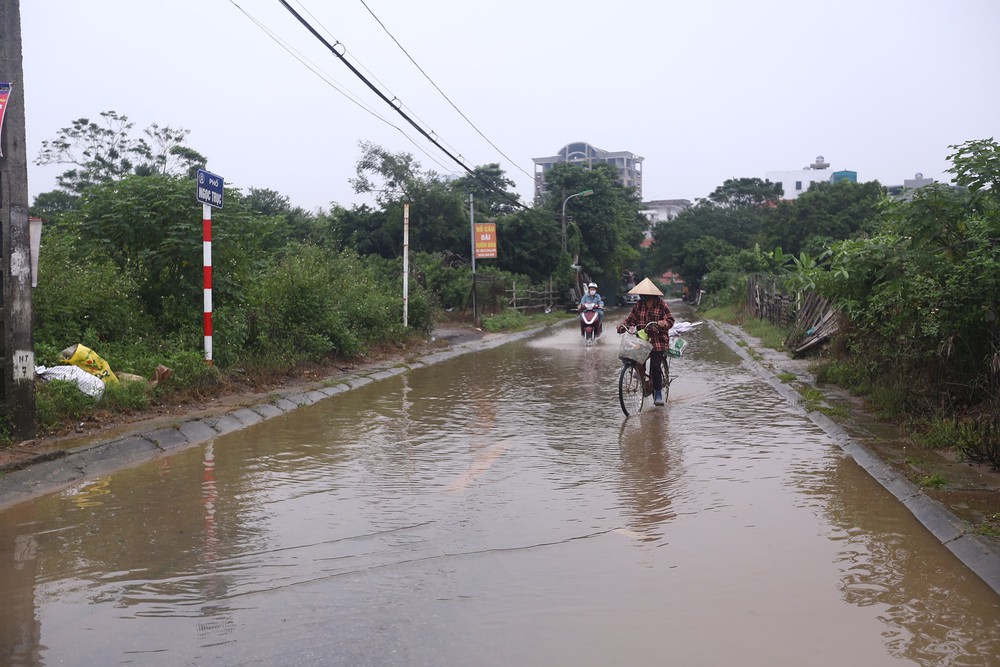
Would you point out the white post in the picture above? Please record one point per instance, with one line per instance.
(472, 239)
(406, 262)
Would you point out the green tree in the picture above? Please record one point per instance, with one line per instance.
(151, 228)
(752, 193)
(106, 151)
(604, 230)
(825, 213)
(491, 190)
(922, 292)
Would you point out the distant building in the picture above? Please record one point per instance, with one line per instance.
(796, 182)
(659, 210)
(629, 165)
(918, 181)
(851, 176)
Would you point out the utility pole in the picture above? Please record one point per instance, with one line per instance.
(17, 361)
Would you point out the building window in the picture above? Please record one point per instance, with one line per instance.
(798, 185)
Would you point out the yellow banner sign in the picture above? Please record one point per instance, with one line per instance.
(486, 239)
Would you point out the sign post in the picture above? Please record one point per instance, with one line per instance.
(210, 191)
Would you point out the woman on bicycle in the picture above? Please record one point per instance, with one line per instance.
(652, 314)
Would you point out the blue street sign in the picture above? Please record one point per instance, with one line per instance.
(210, 188)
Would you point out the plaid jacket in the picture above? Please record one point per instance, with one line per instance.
(642, 315)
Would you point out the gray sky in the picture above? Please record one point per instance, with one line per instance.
(704, 90)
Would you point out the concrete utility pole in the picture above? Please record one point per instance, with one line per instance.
(17, 360)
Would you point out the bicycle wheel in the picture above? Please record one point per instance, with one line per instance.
(665, 374)
(630, 393)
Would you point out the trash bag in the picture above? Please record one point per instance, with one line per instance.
(89, 384)
(82, 356)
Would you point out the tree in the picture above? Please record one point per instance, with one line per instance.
(746, 193)
(825, 213)
(605, 228)
(490, 189)
(385, 175)
(151, 228)
(106, 152)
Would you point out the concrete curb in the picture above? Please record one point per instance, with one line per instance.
(60, 469)
(977, 552)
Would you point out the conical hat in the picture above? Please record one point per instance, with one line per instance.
(646, 288)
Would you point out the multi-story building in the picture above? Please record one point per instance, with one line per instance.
(798, 181)
(629, 165)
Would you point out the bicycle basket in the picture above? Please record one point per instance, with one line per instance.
(634, 349)
(676, 346)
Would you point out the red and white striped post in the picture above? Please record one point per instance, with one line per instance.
(206, 214)
(211, 188)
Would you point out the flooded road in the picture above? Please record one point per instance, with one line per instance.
(496, 509)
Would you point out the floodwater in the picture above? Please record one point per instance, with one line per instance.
(496, 509)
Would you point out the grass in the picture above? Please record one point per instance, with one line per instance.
(786, 376)
(514, 320)
(770, 335)
(727, 314)
(935, 481)
(813, 398)
(990, 527)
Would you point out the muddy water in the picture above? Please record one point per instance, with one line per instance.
(496, 509)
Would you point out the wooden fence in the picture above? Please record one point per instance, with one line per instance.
(809, 317)
(530, 299)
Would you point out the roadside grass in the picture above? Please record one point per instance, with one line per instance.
(770, 335)
(990, 526)
(786, 376)
(727, 314)
(935, 481)
(514, 320)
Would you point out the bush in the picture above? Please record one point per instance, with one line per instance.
(58, 402)
(979, 441)
(82, 297)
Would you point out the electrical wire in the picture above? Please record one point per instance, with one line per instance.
(397, 108)
(436, 87)
(327, 79)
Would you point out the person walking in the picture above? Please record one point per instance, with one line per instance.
(653, 314)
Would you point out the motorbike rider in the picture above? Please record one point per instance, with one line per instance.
(593, 297)
(651, 310)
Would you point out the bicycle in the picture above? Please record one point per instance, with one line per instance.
(634, 383)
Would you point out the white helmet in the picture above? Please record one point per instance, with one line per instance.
(592, 286)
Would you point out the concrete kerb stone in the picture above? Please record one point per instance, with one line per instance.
(248, 416)
(62, 468)
(197, 430)
(978, 553)
(167, 438)
(267, 410)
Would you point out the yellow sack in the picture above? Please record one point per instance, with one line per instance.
(82, 356)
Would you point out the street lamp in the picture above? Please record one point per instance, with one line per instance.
(585, 193)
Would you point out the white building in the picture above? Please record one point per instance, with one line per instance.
(796, 182)
(659, 210)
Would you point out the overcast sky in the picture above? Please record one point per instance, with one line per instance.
(703, 90)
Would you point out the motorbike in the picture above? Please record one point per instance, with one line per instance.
(590, 322)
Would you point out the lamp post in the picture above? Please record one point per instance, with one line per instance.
(585, 193)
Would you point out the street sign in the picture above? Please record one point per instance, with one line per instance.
(485, 235)
(210, 188)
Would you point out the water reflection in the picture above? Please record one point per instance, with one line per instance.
(649, 474)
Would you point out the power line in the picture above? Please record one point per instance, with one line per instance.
(327, 79)
(332, 48)
(436, 87)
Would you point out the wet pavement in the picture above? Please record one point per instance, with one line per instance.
(492, 508)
